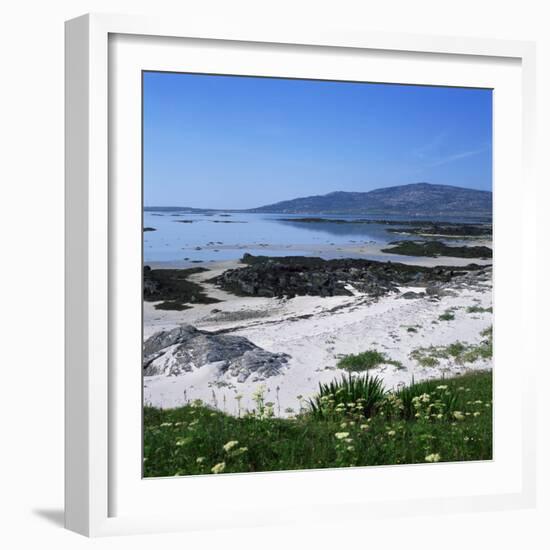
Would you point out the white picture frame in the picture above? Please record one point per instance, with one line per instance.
(95, 245)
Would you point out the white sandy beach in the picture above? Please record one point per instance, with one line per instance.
(315, 332)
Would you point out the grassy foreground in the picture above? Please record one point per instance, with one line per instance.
(442, 420)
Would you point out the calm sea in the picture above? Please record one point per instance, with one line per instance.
(185, 239)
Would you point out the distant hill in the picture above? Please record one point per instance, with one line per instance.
(181, 209)
(422, 199)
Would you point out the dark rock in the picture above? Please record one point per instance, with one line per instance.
(300, 275)
(436, 248)
(172, 287)
(444, 229)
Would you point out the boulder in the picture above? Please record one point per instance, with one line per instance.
(186, 348)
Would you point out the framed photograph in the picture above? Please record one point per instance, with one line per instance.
(296, 284)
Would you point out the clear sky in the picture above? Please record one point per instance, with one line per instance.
(240, 142)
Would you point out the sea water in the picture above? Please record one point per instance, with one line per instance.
(194, 238)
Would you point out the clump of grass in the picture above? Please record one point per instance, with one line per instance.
(456, 349)
(424, 360)
(433, 393)
(447, 316)
(479, 309)
(366, 360)
(366, 393)
(484, 350)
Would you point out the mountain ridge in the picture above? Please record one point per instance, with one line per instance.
(414, 198)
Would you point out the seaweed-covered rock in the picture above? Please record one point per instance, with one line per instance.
(444, 229)
(301, 275)
(437, 248)
(173, 289)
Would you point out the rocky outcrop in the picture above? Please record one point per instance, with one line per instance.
(172, 288)
(437, 248)
(445, 229)
(186, 348)
(300, 275)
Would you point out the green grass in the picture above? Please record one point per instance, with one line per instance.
(447, 401)
(447, 420)
(365, 361)
(447, 316)
(479, 309)
(460, 352)
(424, 360)
(366, 393)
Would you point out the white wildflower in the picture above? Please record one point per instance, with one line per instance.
(434, 457)
(229, 445)
(218, 468)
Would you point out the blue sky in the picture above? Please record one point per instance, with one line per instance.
(240, 142)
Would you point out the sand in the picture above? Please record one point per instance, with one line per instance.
(316, 332)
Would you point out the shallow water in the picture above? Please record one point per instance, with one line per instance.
(223, 236)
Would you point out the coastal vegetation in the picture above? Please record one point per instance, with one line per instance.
(479, 309)
(460, 352)
(365, 361)
(447, 316)
(351, 422)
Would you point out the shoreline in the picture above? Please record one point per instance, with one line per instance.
(366, 251)
(315, 332)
